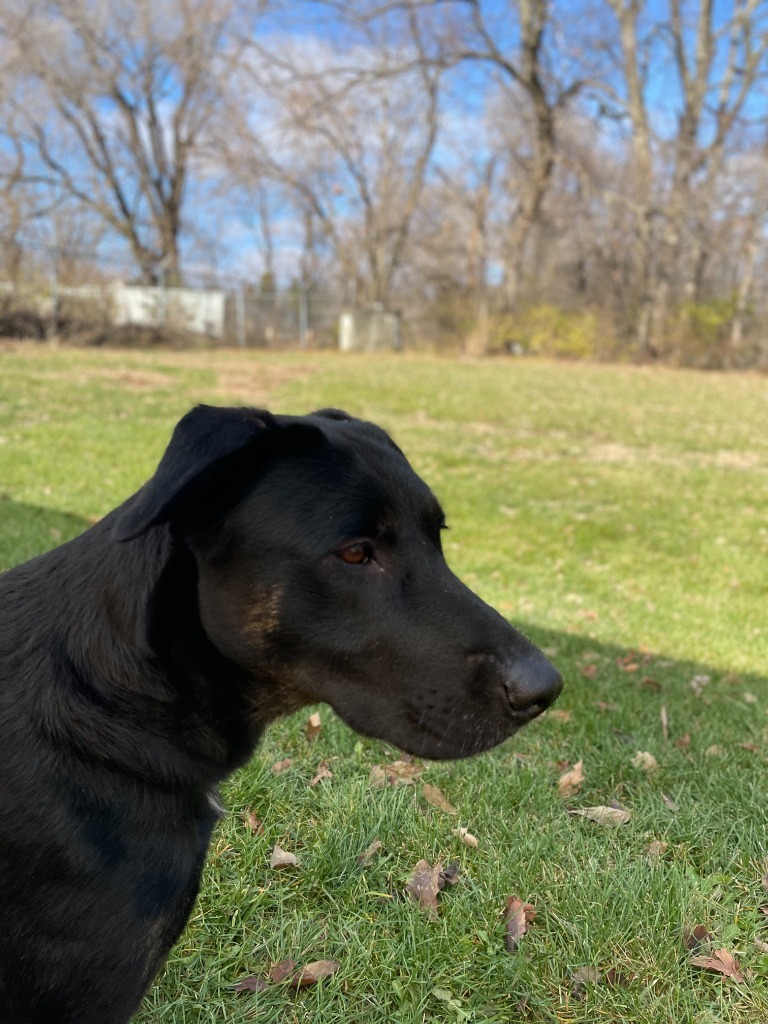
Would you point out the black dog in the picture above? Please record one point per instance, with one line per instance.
(271, 562)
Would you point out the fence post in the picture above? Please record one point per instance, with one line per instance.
(240, 316)
(53, 330)
(303, 317)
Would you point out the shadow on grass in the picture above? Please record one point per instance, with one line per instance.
(29, 530)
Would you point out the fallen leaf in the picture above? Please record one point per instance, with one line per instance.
(713, 751)
(656, 850)
(645, 762)
(424, 885)
(750, 698)
(253, 823)
(601, 705)
(437, 799)
(251, 984)
(365, 857)
(398, 772)
(615, 979)
(570, 782)
(559, 715)
(465, 836)
(751, 747)
(694, 938)
(589, 671)
(604, 815)
(722, 962)
(282, 859)
(518, 915)
(664, 722)
(323, 772)
(669, 802)
(281, 766)
(581, 978)
(313, 727)
(313, 972)
(698, 683)
(279, 972)
(651, 684)
(683, 742)
(449, 875)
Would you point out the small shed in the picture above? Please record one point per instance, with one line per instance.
(369, 330)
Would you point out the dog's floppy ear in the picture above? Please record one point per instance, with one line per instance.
(196, 459)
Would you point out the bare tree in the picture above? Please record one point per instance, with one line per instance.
(348, 136)
(716, 65)
(110, 103)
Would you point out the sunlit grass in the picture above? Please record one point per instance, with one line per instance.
(620, 517)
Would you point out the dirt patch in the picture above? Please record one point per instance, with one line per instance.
(255, 382)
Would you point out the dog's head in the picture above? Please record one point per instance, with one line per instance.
(320, 571)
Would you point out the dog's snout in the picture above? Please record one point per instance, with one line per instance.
(532, 684)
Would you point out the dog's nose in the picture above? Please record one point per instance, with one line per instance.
(532, 685)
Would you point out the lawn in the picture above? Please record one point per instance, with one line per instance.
(619, 516)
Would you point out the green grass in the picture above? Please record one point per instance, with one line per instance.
(620, 517)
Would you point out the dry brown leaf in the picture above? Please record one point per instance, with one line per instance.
(683, 742)
(615, 979)
(670, 803)
(589, 671)
(313, 972)
(465, 836)
(601, 705)
(279, 972)
(694, 938)
(253, 823)
(424, 885)
(645, 761)
(518, 915)
(251, 984)
(651, 684)
(714, 751)
(313, 727)
(581, 978)
(559, 715)
(323, 772)
(449, 875)
(604, 815)
(282, 858)
(437, 799)
(365, 857)
(398, 772)
(655, 850)
(698, 683)
(281, 766)
(722, 962)
(570, 782)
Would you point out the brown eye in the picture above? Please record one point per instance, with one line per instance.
(356, 554)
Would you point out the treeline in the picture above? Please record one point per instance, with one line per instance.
(586, 177)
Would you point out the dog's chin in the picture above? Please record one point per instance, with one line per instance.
(431, 742)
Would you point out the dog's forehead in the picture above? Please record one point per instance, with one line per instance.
(357, 477)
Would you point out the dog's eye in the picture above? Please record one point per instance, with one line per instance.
(356, 554)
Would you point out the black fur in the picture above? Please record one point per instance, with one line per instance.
(140, 663)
